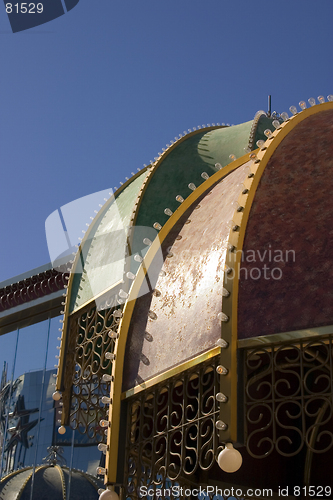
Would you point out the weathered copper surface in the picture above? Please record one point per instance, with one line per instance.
(292, 210)
(188, 298)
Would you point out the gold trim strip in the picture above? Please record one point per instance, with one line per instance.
(14, 473)
(172, 372)
(228, 357)
(241, 218)
(236, 238)
(120, 344)
(62, 479)
(277, 338)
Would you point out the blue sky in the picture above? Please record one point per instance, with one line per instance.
(96, 93)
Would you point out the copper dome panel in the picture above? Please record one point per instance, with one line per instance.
(189, 296)
(292, 211)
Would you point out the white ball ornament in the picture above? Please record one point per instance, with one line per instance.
(56, 396)
(229, 459)
(109, 495)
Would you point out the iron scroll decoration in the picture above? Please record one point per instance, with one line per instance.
(171, 433)
(289, 398)
(94, 333)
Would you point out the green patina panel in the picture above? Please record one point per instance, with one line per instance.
(103, 254)
(185, 164)
(225, 141)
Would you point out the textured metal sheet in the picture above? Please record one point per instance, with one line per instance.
(292, 210)
(184, 164)
(104, 253)
(188, 298)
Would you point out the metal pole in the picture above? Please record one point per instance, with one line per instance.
(40, 410)
(269, 106)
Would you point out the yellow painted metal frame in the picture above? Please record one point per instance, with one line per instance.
(172, 372)
(120, 345)
(236, 238)
(282, 337)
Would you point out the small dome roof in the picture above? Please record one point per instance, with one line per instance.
(50, 483)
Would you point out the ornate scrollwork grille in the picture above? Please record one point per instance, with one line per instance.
(288, 397)
(92, 332)
(171, 434)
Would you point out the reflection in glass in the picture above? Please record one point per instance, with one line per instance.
(27, 358)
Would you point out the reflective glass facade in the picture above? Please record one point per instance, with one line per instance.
(29, 415)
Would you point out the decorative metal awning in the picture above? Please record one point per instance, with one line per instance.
(156, 346)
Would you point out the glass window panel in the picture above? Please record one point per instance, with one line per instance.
(31, 348)
(7, 351)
